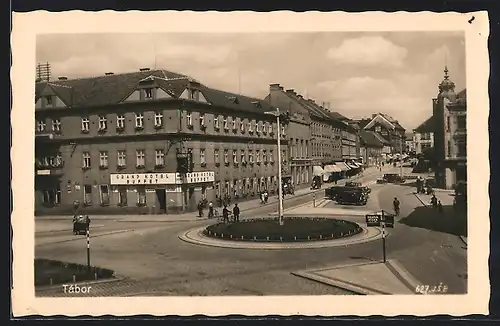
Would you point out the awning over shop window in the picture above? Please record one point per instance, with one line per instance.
(332, 168)
(342, 166)
(352, 165)
(318, 170)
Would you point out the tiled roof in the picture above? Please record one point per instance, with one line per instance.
(370, 138)
(427, 126)
(235, 101)
(109, 89)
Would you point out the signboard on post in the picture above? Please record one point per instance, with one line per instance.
(373, 219)
(389, 220)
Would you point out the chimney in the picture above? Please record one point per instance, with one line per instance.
(323, 104)
(291, 91)
(144, 69)
(275, 87)
(300, 96)
(109, 73)
(328, 105)
(281, 88)
(63, 78)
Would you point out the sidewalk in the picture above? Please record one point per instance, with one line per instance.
(244, 206)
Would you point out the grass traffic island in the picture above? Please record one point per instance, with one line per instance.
(54, 272)
(295, 229)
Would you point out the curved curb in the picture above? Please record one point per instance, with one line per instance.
(196, 236)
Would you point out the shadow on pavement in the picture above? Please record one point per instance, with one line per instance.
(450, 221)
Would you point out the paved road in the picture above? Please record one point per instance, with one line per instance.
(155, 261)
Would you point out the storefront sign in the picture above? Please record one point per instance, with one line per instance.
(372, 220)
(199, 177)
(43, 172)
(144, 178)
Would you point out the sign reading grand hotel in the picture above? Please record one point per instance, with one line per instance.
(160, 178)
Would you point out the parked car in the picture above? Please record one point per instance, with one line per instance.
(351, 197)
(332, 192)
(81, 224)
(393, 178)
(381, 181)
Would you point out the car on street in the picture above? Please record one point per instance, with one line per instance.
(381, 181)
(393, 178)
(351, 196)
(355, 184)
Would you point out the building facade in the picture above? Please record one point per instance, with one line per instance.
(450, 134)
(423, 136)
(113, 143)
(371, 148)
(389, 129)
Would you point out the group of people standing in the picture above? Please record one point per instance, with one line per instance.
(225, 211)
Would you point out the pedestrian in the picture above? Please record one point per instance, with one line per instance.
(236, 213)
(225, 214)
(266, 196)
(200, 209)
(440, 207)
(210, 209)
(434, 201)
(395, 203)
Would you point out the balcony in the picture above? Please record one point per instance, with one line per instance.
(44, 136)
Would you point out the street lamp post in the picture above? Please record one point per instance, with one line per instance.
(401, 157)
(280, 186)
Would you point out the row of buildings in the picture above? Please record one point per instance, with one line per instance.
(113, 142)
(445, 131)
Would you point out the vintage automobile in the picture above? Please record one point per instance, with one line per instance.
(81, 224)
(381, 181)
(351, 196)
(393, 178)
(354, 184)
(332, 192)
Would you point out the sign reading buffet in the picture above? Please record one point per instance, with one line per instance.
(160, 178)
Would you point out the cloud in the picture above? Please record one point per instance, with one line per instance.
(355, 87)
(370, 50)
(206, 55)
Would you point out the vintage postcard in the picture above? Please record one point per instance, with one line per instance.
(181, 163)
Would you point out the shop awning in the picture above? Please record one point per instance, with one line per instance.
(332, 168)
(352, 165)
(318, 171)
(342, 166)
(358, 164)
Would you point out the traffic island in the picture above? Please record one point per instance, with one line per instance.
(54, 272)
(295, 229)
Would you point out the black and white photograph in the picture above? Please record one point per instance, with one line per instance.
(305, 164)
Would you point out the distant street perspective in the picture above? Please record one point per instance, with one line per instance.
(150, 182)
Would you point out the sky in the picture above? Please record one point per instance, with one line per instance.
(358, 74)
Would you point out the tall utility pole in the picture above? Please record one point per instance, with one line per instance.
(43, 71)
(401, 157)
(280, 185)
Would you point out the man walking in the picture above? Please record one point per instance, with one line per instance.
(236, 213)
(225, 214)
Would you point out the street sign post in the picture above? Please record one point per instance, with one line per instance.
(382, 219)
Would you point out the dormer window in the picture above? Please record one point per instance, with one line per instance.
(378, 129)
(158, 119)
(256, 103)
(193, 94)
(103, 125)
(226, 126)
(189, 119)
(40, 125)
(56, 125)
(216, 123)
(48, 100)
(148, 93)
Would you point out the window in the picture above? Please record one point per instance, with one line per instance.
(48, 100)
(257, 127)
(104, 192)
(449, 149)
(257, 154)
(306, 148)
(56, 125)
(202, 156)
(225, 123)
(264, 156)
(120, 122)
(216, 156)
(283, 133)
(216, 123)
(447, 123)
(40, 125)
(86, 160)
(122, 197)
(234, 124)
(103, 159)
(461, 149)
(103, 125)
(202, 120)
(226, 158)
(189, 119)
(158, 119)
(141, 196)
(242, 157)
(58, 160)
(85, 124)
(140, 158)
(122, 158)
(461, 122)
(148, 93)
(250, 126)
(87, 195)
(270, 127)
(250, 157)
(235, 157)
(139, 121)
(159, 157)
(271, 156)
(283, 156)
(242, 126)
